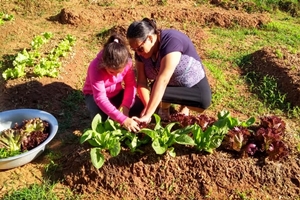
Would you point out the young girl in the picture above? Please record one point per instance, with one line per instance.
(110, 86)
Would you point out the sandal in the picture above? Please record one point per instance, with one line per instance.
(184, 110)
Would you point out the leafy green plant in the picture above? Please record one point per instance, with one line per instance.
(47, 66)
(102, 136)
(5, 17)
(40, 40)
(108, 136)
(163, 138)
(22, 60)
(26, 58)
(212, 137)
(10, 143)
(207, 140)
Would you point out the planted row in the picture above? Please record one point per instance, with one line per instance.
(192, 131)
(202, 133)
(266, 137)
(42, 66)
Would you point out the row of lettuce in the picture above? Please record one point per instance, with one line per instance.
(204, 133)
(36, 62)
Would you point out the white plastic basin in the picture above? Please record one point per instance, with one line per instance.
(8, 120)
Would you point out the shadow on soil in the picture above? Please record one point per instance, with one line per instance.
(264, 63)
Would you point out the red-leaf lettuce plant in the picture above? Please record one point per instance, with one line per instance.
(202, 120)
(266, 137)
(269, 137)
(238, 133)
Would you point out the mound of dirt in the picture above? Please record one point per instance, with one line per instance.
(67, 16)
(189, 174)
(203, 16)
(280, 64)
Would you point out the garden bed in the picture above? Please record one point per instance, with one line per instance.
(191, 174)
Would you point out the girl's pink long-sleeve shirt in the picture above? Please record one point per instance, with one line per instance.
(103, 86)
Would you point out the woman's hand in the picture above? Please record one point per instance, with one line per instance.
(145, 118)
(131, 125)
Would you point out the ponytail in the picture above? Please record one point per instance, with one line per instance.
(115, 53)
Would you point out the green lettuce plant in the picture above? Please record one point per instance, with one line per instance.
(163, 138)
(107, 136)
(212, 137)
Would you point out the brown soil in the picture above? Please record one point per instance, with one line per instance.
(190, 175)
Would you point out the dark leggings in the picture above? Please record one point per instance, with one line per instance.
(197, 96)
(93, 108)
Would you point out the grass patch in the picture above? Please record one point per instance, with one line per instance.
(291, 7)
(267, 90)
(43, 191)
(227, 52)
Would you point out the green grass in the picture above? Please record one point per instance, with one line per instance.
(45, 191)
(230, 47)
(291, 7)
(52, 166)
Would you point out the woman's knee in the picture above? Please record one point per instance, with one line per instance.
(206, 104)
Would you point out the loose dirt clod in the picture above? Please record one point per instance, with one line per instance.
(68, 16)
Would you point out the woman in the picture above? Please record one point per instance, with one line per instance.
(103, 87)
(170, 59)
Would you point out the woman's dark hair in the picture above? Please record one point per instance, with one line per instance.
(141, 29)
(115, 53)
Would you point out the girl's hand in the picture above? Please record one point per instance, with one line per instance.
(131, 125)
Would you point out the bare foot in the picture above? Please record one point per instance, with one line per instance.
(184, 110)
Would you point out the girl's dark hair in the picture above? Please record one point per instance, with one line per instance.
(141, 29)
(115, 53)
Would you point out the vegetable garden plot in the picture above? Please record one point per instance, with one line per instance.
(201, 132)
(133, 175)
